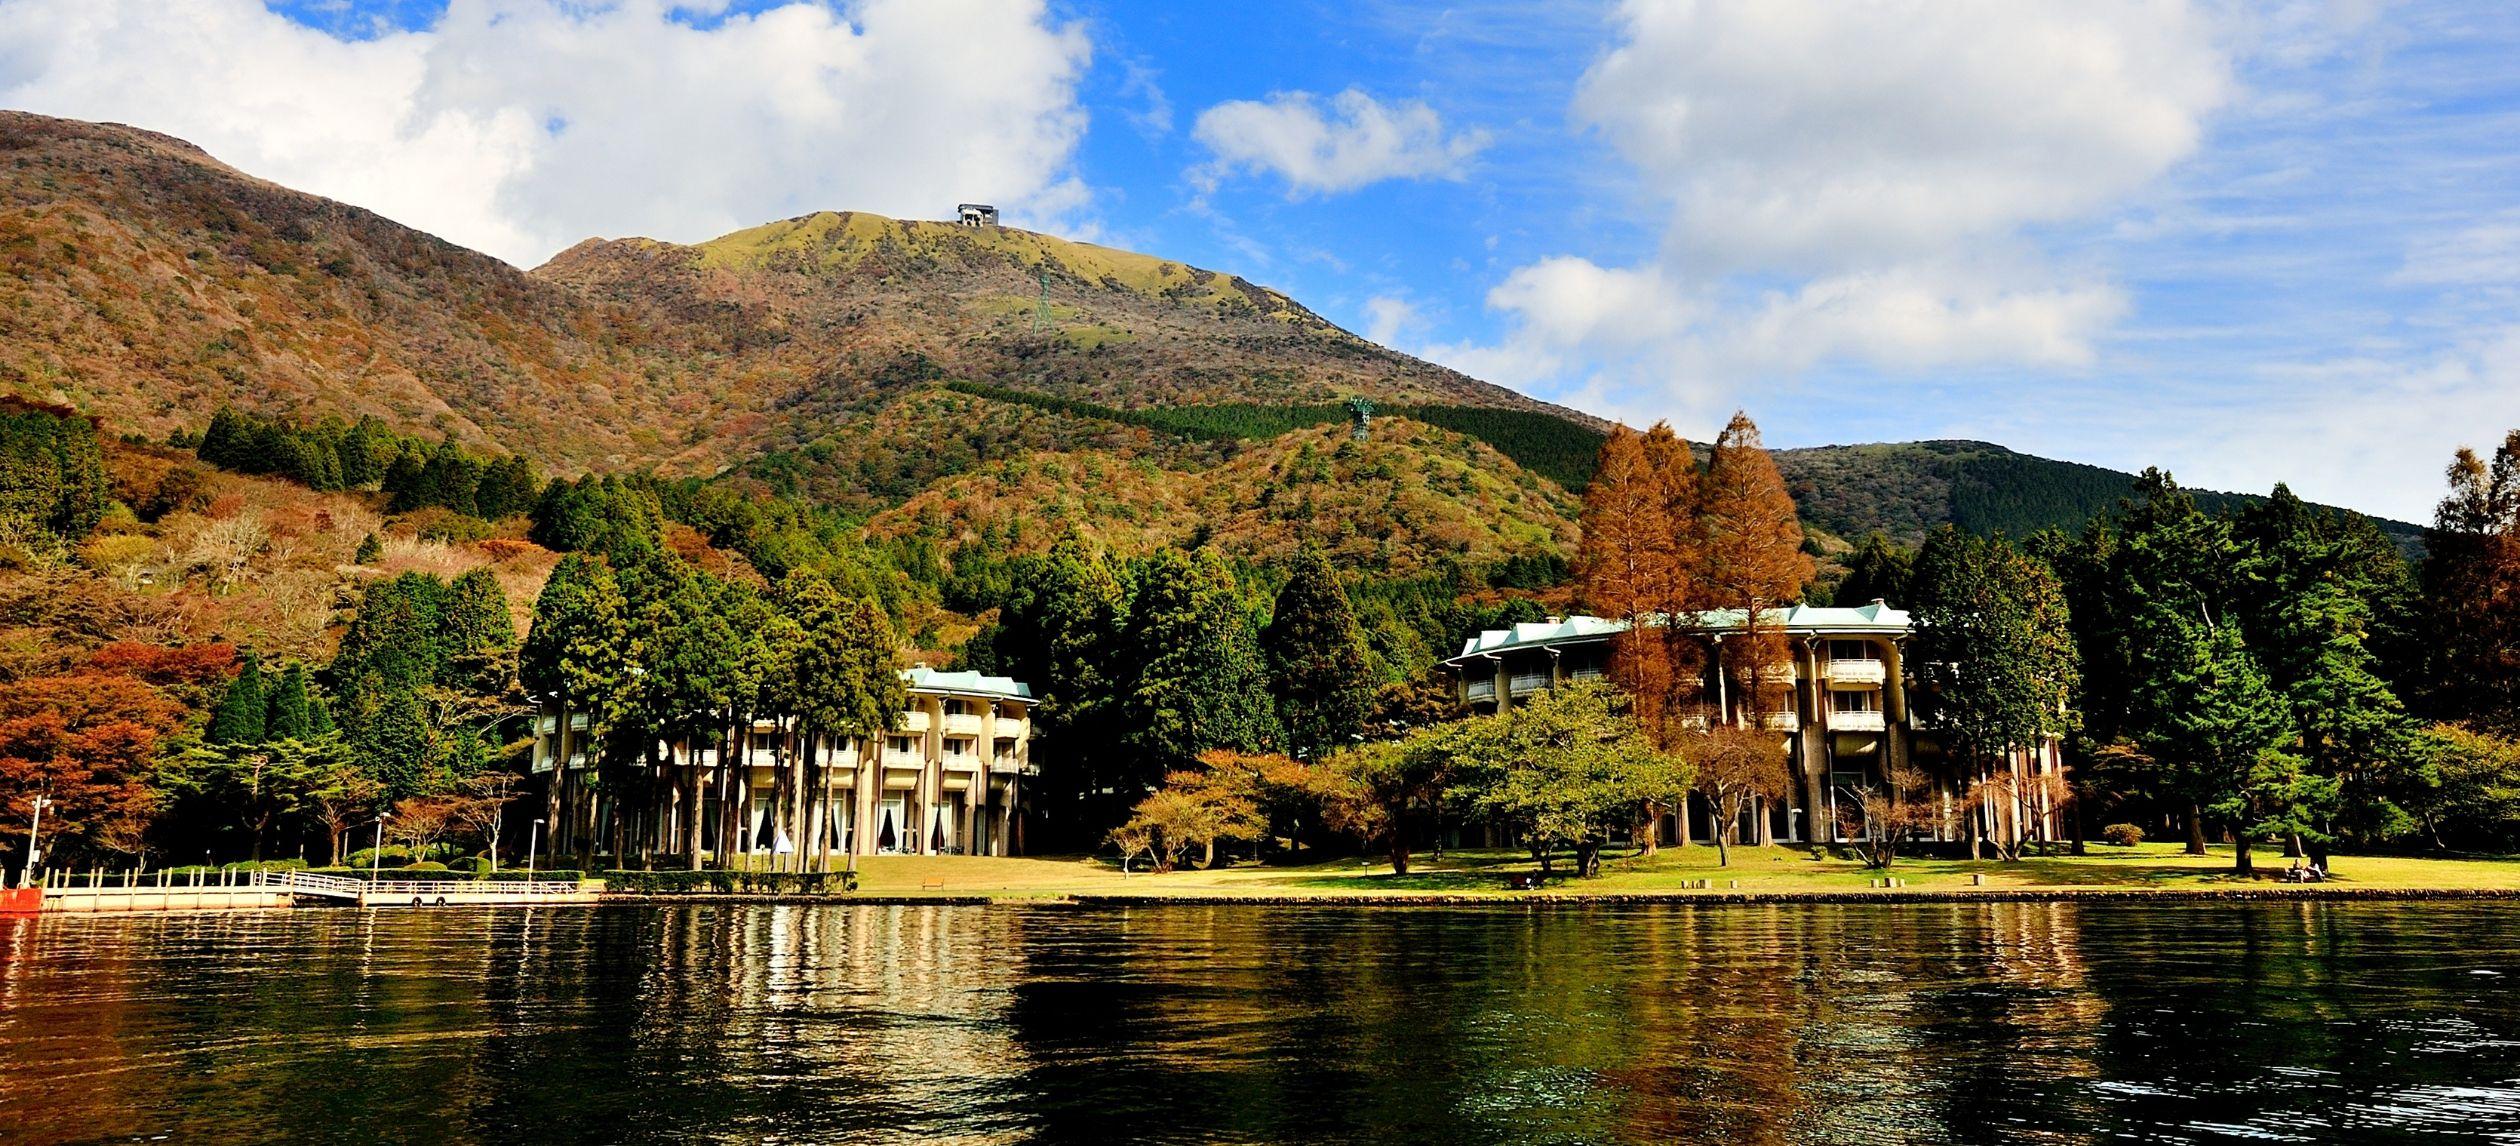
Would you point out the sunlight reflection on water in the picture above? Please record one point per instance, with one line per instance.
(1788, 1023)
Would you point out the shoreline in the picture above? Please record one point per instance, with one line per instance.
(1904, 895)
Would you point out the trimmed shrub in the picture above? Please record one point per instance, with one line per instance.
(425, 865)
(2123, 835)
(731, 882)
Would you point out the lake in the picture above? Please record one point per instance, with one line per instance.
(1783, 1023)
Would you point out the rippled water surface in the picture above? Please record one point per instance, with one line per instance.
(1801, 1023)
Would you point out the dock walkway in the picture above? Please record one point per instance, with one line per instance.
(95, 891)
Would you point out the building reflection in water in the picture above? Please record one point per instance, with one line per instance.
(1785, 1023)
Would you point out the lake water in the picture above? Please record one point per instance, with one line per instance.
(1789, 1023)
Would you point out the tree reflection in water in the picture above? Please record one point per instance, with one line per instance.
(1785, 1023)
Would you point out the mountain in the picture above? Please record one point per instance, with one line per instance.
(1903, 489)
(935, 381)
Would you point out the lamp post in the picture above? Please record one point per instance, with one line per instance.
(34, 854)
(376, 857)
(532, 837)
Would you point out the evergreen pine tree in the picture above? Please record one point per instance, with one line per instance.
(2229, 727)
(1318, 665)
(371, 550)
(1198, 681)
(222, 444)
(289, 715)
(479, 635)
(238, 717)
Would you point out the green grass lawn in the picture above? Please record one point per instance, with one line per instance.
(1757, 869)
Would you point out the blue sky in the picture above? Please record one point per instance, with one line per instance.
(2250, 243)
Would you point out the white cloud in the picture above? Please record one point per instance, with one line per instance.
(2487, 253)
(1387, 318)
(1358, 141)
(521, 126)
(2344, 431)
(1862, 183)
(1840, 135)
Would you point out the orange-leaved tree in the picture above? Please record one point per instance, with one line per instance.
(1752, 559)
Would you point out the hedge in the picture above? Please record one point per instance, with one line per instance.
(731, 882)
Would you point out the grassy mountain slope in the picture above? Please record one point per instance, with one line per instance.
(940, 381)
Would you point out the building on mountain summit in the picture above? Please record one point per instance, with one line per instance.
(975, 215)
(946, 780)
(1848, 724)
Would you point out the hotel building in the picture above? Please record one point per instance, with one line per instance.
(947, 779)
(1847, 722)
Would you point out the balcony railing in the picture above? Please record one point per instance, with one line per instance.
(1006, 763)
(1857, 674)
(914, 720)
(1479, 688)
(1857, 721)
(963, 761)
(1529, 682)
(1783, 721)
(965, 723)
(896, 758)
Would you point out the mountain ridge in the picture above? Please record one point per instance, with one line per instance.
(149, 283)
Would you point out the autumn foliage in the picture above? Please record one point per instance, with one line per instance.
(87, 740)
(1661, 539)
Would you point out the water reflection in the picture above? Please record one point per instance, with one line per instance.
(1789, 1023)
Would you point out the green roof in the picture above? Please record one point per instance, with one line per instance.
(1807, 620)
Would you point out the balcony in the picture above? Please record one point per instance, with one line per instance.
(1479, 688)
(962, 723)
(1529, 682)
(1857, 674)
(1857, 721)
(896, 758)
(914, 720)
(1783, 721)
(1006, 762)
(962, 761)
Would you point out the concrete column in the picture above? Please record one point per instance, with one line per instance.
(932, 777)
(1894, 705)
(1504, 687)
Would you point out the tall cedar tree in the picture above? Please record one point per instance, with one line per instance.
(289, 710)
(2472, 592)
(2169, 579)
(479, 635)
(2231, 728)
(573, 655)
(1753, 559)
(846, 684)
(52, 469)
(1061, 631)
(2317, 588)
(1319, 671)
(239, 717)
(1993, 650)
(1198, 682)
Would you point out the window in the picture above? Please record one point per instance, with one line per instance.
(1854, 700)
(1841, 650)
(899, 744)
(958, 708)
